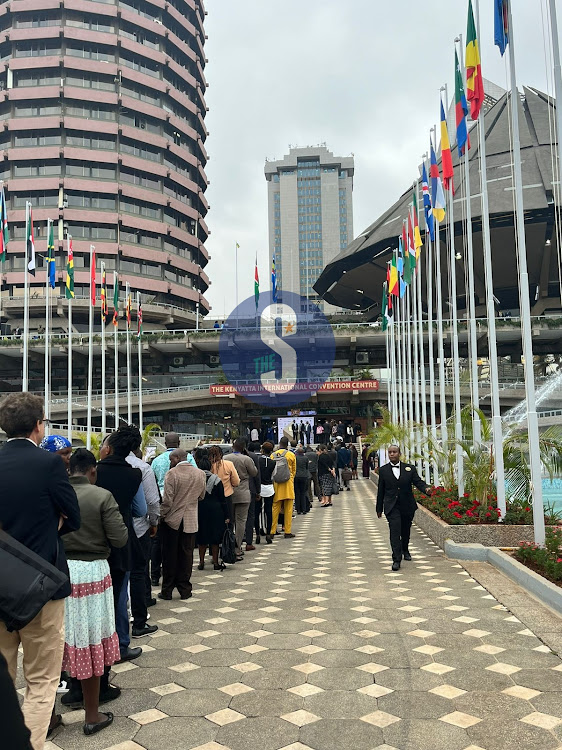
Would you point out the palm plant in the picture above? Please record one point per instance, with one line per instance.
(96, 439)
(147, 435)
(516, 451)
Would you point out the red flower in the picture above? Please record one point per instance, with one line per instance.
(488, 515)
(527, 510)
(458, 515)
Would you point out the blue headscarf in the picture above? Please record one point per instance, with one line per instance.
(55, 443)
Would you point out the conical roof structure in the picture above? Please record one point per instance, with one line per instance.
(354, 278)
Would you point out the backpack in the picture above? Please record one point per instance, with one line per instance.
(281, 472)
(228, 547)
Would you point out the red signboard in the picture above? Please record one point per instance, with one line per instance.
(331, 386)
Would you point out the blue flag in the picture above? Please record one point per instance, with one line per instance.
(400, 266)
(501, 26)
(427, 207)
(273, 280)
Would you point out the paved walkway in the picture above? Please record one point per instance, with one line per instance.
(315, 643)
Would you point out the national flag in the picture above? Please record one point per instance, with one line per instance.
(29, 242)
(404, 247)
(273, 280)
(411, 243)
(427, 207)
(92, 275)
(386, 307)
(393, 286)
(103, 294)
(69, 284)
(139, 316)
(51, 263)
(446, 158)
(417, 236)
(3, 227)
(115, 300)
(461, 110)
(256, 285)
(128, 309)
(437, 194)
(474, 80)
(501, 25)
(401, 265)
(388, 285)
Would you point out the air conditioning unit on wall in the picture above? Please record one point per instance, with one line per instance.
(177, 361)
(362, 358)
(214, 359)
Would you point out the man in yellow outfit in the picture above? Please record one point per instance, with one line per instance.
(284, 491)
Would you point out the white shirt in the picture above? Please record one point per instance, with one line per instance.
(151, 494)
(396, 469)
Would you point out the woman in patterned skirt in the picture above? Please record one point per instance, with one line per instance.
(91, 643)
(326, 476)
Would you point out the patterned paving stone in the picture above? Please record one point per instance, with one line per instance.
(314, 644)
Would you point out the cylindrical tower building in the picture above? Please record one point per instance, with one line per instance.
(103, 132)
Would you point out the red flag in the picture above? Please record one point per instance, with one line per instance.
(92, 275)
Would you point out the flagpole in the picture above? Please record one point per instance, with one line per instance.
(393, 370)
(388, 379)
(236, 283)
(440, 345)
(90, 354)
(399, 395)
(459, 455)
(414, 336)
(47, 407)
(410, 374)
(473, 339)
(69, 350)
(521, 246)
(129, 403)
(116, 350)
(139, 353)
(557, 72)
(25, 373)
(104, 307)
(497, 429)
(423, 391)
(431, 347)
(404, 388)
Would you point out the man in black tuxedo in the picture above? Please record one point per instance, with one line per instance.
(396, 498)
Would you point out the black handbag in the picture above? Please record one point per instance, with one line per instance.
(28, 582)
(346, 474)
(228, 547)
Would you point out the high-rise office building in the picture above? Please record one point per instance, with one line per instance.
(310, 215)
(103, 132)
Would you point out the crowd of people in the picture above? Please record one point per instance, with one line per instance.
(117, 526)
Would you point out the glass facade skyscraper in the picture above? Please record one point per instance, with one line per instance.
(310, 215)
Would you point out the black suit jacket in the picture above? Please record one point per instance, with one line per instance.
(35, 493)
(394, 491)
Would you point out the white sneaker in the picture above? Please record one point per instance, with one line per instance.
(62, 688)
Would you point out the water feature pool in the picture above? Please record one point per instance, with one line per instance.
(552, 492)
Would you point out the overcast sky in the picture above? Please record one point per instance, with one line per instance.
(363, 76)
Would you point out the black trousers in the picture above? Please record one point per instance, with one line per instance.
(156, 556)
(301, 494)
(399, 525)
(177, 560)
(140, 579)
(250, 520)
(268, 512)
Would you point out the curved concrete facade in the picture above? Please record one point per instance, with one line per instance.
(103, 131)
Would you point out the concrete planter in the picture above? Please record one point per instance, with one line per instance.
(496, 535)
(543, 589)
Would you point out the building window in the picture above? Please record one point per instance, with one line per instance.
(91, 200)
(33, 169)
(37, 78)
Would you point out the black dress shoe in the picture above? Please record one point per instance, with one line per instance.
(407, 556)
(130, 654)
(99, 725)
(151, 602)
(145, 630)
(110, 693)
(155, 581)
(395, 566)
(166, 598)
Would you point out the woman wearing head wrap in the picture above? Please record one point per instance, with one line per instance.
(58, 444)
